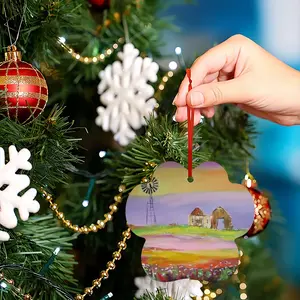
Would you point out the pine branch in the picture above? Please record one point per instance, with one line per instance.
(160, 295)
(50, 143)
(90, 41)
(225, 141)
(31, 245)
(43, 23)
(229, 137)
(164, 141)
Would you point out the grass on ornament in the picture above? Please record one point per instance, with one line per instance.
(227, 235)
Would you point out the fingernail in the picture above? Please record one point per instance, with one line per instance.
(197, 99)
(175, 100)
(174, 118)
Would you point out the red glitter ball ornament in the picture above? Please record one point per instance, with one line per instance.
(262, 207)
(26, 90)
(101, 4)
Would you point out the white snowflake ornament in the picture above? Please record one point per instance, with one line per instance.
(126, 94)
(15, 183)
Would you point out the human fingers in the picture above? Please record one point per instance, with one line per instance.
(181, 115)
(209, 78)
(221, 57)
(216, 93)
(208, 112)
(274, 117)
(253, 111)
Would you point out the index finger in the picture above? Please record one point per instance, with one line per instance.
(221, 57)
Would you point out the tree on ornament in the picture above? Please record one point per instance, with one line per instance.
(25, 88)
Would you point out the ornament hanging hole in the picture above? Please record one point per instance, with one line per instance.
(190, 179)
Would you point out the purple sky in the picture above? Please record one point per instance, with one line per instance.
(175, 208)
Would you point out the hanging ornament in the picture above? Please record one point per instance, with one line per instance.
(262, 215)
(126, 94)
(12, 184)
(100, 4)
(190, 228)
(26, 91)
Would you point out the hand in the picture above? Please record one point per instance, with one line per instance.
(240, 72)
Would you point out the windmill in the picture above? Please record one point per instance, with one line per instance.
(150, 188)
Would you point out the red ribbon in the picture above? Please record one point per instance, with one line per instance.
(190, 120)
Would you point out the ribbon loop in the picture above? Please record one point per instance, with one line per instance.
(190, 120)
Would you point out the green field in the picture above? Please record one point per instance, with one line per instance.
(227, 235)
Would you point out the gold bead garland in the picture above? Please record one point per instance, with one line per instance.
(100, 224)
(91, 59)
(111, 265)
(148, 169)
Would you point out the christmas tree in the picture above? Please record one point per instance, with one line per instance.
(88, 145)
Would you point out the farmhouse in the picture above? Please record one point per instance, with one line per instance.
(198, 218)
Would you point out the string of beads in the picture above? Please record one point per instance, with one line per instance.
(100, 224)
(111, 265)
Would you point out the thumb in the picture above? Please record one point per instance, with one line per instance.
(211, 94)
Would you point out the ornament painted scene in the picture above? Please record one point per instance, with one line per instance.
(190, 228)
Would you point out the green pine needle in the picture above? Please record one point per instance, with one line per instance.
(32, 244)
(216, 140)
(50, 143)
(159, 295)
(164, 141)
(43, 23)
